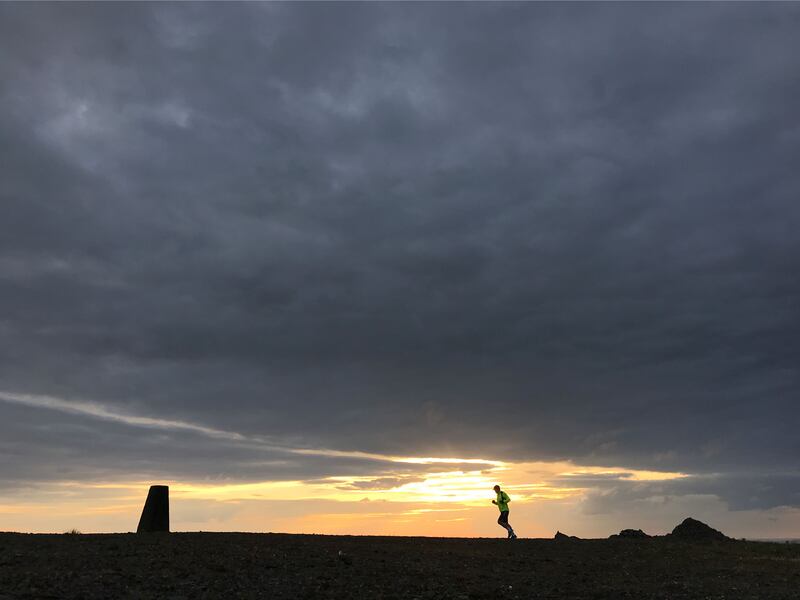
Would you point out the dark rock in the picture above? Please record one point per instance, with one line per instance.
(155, 515)
(692, 529)
(629, 533)
(564, 536)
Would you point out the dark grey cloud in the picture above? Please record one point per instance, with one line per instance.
(739, 491)
(518, 231)
(381, 483)
(40, 449)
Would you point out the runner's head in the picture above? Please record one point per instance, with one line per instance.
(497, 488)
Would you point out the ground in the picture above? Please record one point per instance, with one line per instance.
(240, 565)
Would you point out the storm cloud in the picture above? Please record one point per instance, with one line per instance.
(507, 231)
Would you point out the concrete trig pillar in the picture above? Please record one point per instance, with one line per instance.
(155, 515)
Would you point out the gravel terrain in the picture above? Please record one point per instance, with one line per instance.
(241, 565)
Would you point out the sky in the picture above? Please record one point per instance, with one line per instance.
(340, 268)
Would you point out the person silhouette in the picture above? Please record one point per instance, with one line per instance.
(502, 503)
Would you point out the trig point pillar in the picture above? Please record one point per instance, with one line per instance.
(155, 516)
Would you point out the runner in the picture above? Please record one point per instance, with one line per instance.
(502, 503)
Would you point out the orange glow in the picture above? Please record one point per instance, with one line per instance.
(434, 502)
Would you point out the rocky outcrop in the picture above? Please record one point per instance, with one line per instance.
(563, 536)
(694, 530)
(630, 534)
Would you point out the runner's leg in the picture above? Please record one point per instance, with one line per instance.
(502, 520)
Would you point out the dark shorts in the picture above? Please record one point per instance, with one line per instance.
(503, 517)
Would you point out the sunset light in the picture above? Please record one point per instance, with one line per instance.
(412, 300)
(438, 502)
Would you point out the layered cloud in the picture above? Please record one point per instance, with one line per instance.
(503, 232)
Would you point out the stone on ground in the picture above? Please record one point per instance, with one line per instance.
(629, 533)
(692, 529)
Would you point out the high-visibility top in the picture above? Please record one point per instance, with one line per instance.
(502, 501)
